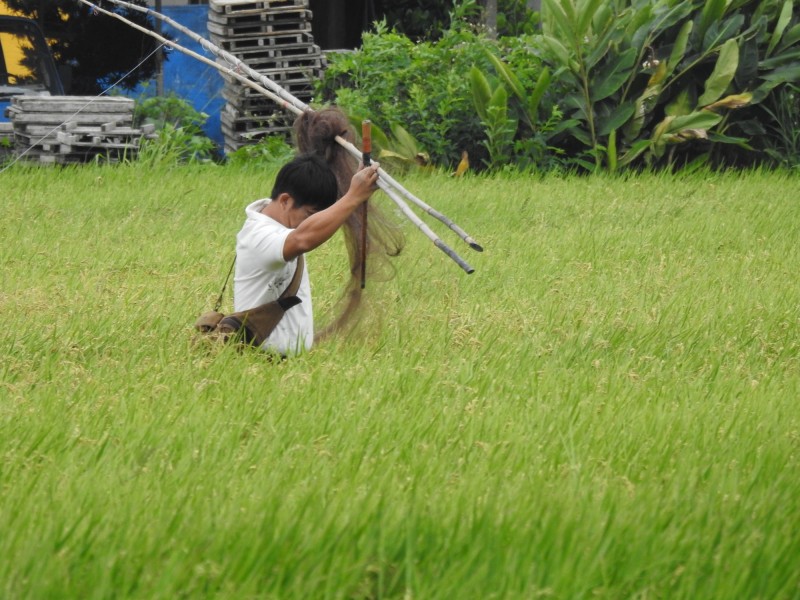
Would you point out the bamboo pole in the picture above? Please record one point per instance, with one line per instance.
(366, 160)
(287, 97)
(286, 100)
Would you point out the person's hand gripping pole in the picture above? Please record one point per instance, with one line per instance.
(366, 158)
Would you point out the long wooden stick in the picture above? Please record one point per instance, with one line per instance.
(289, 102)
(366, 158)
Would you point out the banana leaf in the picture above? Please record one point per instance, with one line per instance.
(727, 139)
(507, 75)
(721, 32)
(723, 73)
(781, 60)
(701, 119)
(780, 26)
(586, 16)
(613, 76)
(615, 119)
(633, 152)
(481, 91)
(679, 48)
(787, 74)
(790, 38)
(712, 13)
(731, 102)
(536, 95)
(552, 9)
(681, 105)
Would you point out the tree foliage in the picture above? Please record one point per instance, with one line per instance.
(94, 50)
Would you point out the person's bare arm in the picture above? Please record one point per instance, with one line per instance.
(320, 227)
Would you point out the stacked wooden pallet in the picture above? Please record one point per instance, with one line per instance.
(74, 129)
(274, 38)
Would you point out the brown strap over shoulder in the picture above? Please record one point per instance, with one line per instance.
(294, 284)
(255, 325)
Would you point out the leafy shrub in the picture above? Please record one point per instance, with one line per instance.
(605, 85)
(781, 137)
(179, 128)
(267, 151)
(668, 82)
(423, 87)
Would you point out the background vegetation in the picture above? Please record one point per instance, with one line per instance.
(601, 86)
(606, 408)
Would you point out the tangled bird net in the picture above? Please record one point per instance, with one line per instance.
(315, 132)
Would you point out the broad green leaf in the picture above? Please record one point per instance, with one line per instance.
(379, 137)
(552, 8)
(600, 48)
(677, 13)
(723, 73)
(641, 18)
(712, 13)
(613, 75)
(580, 134)
(611, 153)
(499, 102)
(701, 119)
(679, 49)
(639, 40)
(748, 64)
(790, 73)
(780, 26)
(536, 95)
(643, 105)
(722, 31)
(569, 10)
(658, 75)
(559, 50)
(660, 129)
(508, 76)
(586, 16)
(726, 139)
(634, 152)
(790, 38)
(681, 105)
(616, 119)
(406, 143)
(731, 102)
(780, 60)
(481, 92)
(602, 17)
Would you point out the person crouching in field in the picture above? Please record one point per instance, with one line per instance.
(302, 214)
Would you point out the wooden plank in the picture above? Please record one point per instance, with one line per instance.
(234, 6)
(278, 65)
(85, 118)
(261, 41)
(282, 51)
(255, 29)
(34, 131)
(294, 15)
(72, 104)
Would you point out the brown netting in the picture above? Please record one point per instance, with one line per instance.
(316, 131)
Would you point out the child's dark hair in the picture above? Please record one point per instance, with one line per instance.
(309, 180)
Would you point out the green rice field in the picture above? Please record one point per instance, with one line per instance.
(607, 408)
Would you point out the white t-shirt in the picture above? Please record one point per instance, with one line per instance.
(262, 274)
